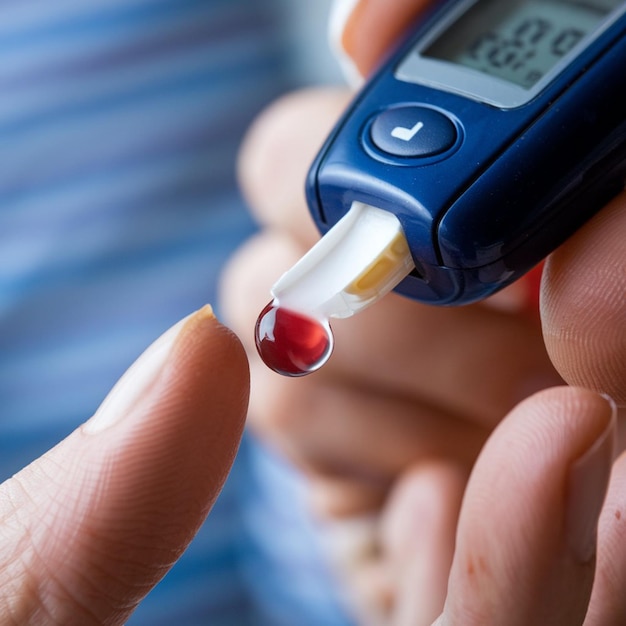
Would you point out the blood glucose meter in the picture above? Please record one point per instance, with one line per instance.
(493, 132)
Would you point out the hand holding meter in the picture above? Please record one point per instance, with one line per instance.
(495, 131)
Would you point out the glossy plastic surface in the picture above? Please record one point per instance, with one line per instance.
(513, 187)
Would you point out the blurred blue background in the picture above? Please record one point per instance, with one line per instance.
(120, 122)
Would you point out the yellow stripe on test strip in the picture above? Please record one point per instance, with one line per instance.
(378, 274)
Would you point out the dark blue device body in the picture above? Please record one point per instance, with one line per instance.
(502, 190)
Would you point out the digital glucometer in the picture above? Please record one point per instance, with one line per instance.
(494, 132)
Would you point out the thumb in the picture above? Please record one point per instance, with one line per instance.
(582, 304)
(526, 538)
(89, 528)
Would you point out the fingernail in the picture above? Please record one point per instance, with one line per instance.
(340, 13)
(139, 378)
(587, 486)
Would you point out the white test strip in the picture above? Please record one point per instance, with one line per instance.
(359, 260)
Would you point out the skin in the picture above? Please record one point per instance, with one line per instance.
(89, 528)
(412, 396)
(486, 504)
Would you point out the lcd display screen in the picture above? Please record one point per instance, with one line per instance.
(518, 41)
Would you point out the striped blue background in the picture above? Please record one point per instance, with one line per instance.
(119, 126)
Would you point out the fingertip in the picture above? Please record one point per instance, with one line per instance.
(340, 14)
(582, 304)
(177, 441)
(160, 470)
(123, 496)
(204, 396)
(278, 151)
(362, 32)
(206, 344)
(528, 491)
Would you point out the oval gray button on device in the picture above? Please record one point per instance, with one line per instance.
(413, 131)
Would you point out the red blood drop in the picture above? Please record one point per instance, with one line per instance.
(291, 343)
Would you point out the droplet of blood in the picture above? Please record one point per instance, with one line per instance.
(290, 343)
